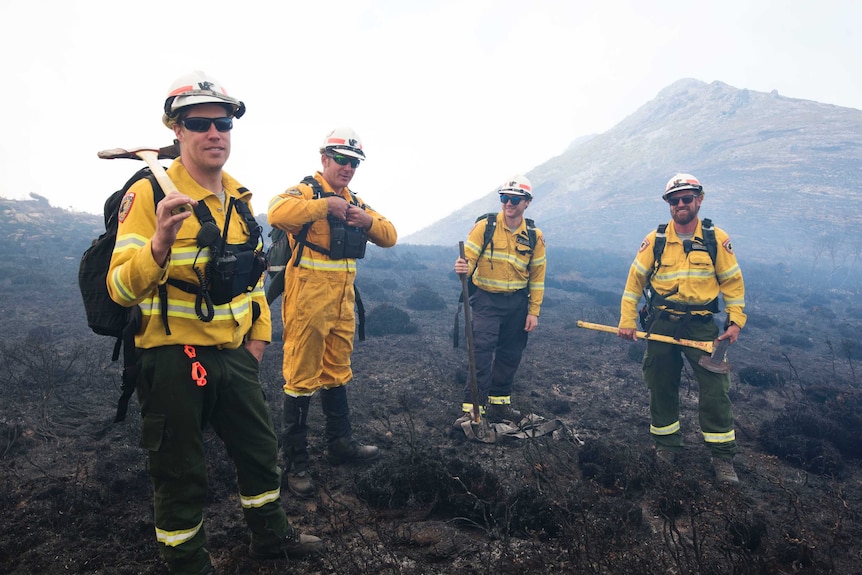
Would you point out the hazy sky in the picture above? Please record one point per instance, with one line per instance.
(449, 97)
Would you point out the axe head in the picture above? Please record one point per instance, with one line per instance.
(165, 153)
(717, 362)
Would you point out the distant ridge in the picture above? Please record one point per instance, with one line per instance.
(782, 175)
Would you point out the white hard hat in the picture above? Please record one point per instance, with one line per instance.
(517, 185)
(343, 141)
(197, 88)
(681, 182)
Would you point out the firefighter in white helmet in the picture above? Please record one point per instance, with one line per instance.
(682, 267)
(505, 259)
(199, 364)
(328, 227)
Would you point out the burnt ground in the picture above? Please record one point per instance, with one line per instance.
(75, 497)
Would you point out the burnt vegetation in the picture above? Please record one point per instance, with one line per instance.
(75, 496)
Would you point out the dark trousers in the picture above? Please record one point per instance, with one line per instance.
(176, 408)
(662, 369)
(499, 340)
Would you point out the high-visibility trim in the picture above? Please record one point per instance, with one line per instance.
(666, 430)
(500, 399)
(468, 408)
(725, 437)
(255, 501)
(346, 265)
(129, 241)
(178, 537)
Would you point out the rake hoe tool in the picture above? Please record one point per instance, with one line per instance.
(471, 352)
(715, 362)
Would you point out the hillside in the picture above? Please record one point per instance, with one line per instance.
(75, 496)
(772, 166)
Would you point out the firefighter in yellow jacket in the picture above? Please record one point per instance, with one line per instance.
(509, 274)
(328, 227)
(204, 326)
(683, 288)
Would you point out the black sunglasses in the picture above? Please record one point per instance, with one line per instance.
(343, 160)
(514, 199)
(203, 124)
(684, 199)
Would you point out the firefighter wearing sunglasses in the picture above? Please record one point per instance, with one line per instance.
(509, 274)
(681, 268)
(199, 372)
(327, 226)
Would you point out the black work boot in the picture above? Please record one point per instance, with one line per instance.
(294, 544)
(348, 450)
(498, 413)
(295, 446)
(341, 447)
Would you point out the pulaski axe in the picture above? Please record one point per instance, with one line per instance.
(715, 362)
(151, 156)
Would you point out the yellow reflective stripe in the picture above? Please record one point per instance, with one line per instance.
(328, 265)
(122, 289)
(502, 285)
(186, 309)
(684, 274)
(719, 437)
(635, 297)
(500, 399)
(276, 200)
(129, 241)
(254, 501)
(468, 408)
(729, 272)
(640, 269)
(175, 538)
(666, 430)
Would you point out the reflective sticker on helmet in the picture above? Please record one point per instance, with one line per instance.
(727, 245)
(126, 206)
(644, 245)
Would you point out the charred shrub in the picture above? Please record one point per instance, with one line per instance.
(747, 532)
(758, 377)
(803, 440)
(423, 298)
(760, 320)
(387, 319)
(533, 513)
(451, 488)
(799, 341)
(611, 465)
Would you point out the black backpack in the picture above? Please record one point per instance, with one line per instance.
(104, 315)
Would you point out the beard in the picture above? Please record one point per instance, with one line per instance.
(683, 217)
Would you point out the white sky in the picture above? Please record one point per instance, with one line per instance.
(449, 97)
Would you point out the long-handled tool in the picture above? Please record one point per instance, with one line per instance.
(715, 362)
(468, 330)
(151, 156)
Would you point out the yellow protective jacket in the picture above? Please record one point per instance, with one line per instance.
(508, 264)
(691, 278)
(134, 276)
(297, 206)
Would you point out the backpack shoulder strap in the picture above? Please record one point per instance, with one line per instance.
(531, 232)
(658, 246)
(299, 237)
(709, 239)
